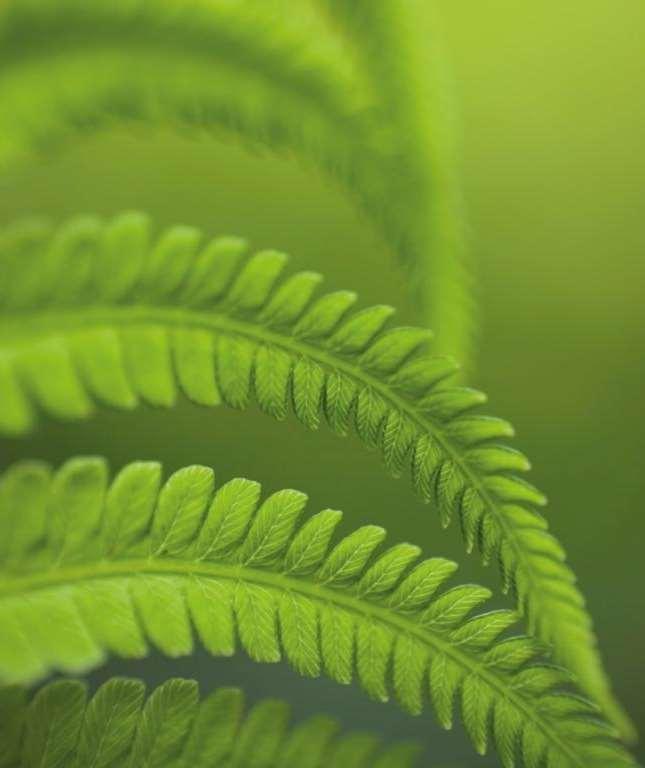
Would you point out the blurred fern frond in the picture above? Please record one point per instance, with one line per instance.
(117, 726)
(399, 46)
(249, 69)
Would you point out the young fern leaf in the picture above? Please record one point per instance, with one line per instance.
(173, 728)
(89, 569)
(114, 318)
(243, 68)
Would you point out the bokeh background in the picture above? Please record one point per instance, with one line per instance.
(552, 106)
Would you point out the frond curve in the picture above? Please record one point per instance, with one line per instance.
(90, 568)
(399, 45)
(233, 69)
(116, 318)
(173, 728)
(238, 67)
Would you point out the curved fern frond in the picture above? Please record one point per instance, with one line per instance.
(173, 728)
(400, 47)
(115, 318)
(205, 64)
(70, 66)
(89, 569)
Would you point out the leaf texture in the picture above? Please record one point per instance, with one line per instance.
(267, 338)
(63, 727)
(281, 589)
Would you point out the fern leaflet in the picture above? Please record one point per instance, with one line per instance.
(90, 569)
(173, 728)
(114, 318)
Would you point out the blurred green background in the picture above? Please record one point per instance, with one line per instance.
(552, 102)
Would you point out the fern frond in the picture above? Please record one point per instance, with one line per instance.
(173, 728)
(115, 318)
(240, 67)
(399, 44)
(207, 66)
(89, 569)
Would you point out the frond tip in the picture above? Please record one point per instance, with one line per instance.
(90, 568)
(61, 726)
(115, 317)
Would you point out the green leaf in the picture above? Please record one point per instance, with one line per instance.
(410, 665)
(163, 614)
(373, 651)
(476, 708)
(228, 517)
(256, 279)
(272, 527)
(299, 632)
(451, 608)
(424, 580)
(213, 734)
(194, 357)
(182, 503)
(115, 276)
(109, 723)
(164, 724)
(259, 738)
(210, 603)
(235, 359)
(213, 271)
(168, 263)
(355, 751)
(273, 373)
(390, 350)
(308, 381)
(446, 677)
(309, 742)
(257, 620)
(76, 505)
(325, 315)
(349, 557)
(358, 331)
(148, 363)
(130, 503)
(52, 724)
(310, 544)
(291, 299)
(24, 486)
(388, 569)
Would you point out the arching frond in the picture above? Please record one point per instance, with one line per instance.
(210, 65)
(400, 47)
(89, 569)
(69, 66)
(117, 726)
(101, 313)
